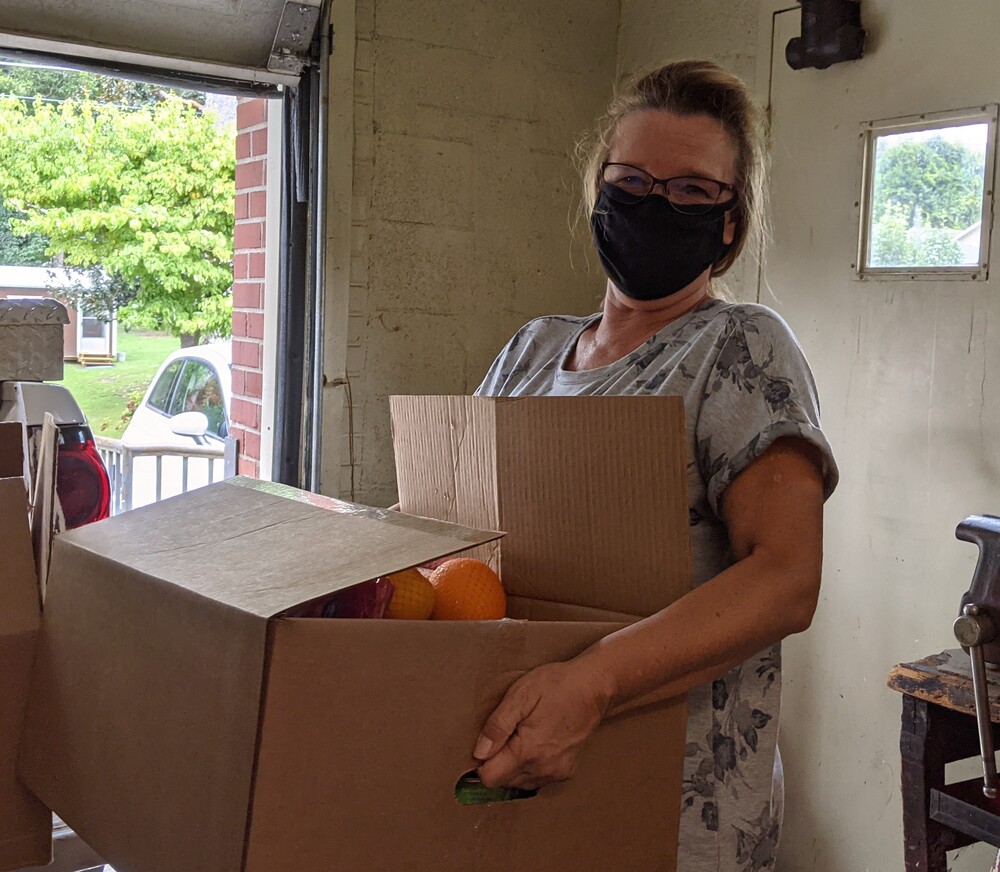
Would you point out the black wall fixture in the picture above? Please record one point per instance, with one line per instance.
(831, 33)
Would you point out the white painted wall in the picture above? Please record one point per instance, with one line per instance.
(652, 31)
(905, 370)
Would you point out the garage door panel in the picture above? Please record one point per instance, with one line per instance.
(236, 34)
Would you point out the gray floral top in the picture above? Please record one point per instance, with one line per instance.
(745, 383)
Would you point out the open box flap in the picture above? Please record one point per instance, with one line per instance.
(271, 547)
(594, 492)
(445, 450)
(591, 491)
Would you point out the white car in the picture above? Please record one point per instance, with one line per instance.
(184, 411)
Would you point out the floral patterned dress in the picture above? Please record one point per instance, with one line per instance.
(745, 383)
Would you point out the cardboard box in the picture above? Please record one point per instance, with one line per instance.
(25, 823)
(31, 339)
(178, 722)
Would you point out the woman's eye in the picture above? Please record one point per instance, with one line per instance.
(690, 189)
(636, 182)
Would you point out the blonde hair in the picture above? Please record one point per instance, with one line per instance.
(693, 87)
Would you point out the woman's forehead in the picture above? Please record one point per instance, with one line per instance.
(666, 144)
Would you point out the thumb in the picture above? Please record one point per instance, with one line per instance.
(500, 726)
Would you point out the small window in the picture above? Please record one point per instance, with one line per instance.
(94, 328)
(927, 196)
(159, 397)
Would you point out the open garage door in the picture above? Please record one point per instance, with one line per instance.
(265, 48)
(256, 44)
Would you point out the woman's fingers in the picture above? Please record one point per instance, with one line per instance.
(500, 725)
(502, 769)
(510, 768)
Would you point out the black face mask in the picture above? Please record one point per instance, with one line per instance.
(650, 250)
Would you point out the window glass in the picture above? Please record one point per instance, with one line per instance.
(160, 395)
(927, 191)
(93, 328)
(198, 390)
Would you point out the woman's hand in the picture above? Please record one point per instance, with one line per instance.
(536, 733)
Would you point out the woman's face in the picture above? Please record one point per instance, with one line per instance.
(666, 145)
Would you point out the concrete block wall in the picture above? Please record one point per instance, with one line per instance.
(249, 263)
(465, 117)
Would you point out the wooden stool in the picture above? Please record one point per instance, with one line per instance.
(939, 727)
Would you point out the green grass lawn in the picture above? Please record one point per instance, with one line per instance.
(104, 391)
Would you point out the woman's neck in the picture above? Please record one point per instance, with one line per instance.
(628, 322)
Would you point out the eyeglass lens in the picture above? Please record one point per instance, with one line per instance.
(686, 193)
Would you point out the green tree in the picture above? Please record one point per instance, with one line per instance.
(17, 250)
(99, 293)
(936, 183)
(890, 245)
(895, 243)
(147, 194)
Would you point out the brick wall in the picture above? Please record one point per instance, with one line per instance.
(248, 280)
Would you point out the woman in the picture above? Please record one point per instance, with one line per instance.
(674, 189)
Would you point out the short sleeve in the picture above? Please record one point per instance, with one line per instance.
(759, 389)
(534, 349)
(492, 384)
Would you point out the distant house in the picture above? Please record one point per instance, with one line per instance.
(84, 334)
(968, 240)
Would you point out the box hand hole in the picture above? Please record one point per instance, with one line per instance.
(469, 790)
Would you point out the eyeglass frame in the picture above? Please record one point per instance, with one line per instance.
(663, 184)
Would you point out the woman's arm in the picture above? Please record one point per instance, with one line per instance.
(774, 515)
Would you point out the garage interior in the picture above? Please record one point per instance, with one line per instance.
(449, 205)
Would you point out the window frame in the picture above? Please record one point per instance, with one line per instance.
(869, 133)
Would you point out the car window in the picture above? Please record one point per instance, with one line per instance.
(198, 390)
(159, 397)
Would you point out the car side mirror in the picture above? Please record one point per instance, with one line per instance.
(193, 424)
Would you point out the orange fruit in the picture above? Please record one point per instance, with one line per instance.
(466, 589)
(412, 596)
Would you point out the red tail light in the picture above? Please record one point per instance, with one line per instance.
(82, 481)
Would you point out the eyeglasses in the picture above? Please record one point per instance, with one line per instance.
(691, 195)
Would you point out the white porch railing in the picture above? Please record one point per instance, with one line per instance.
(140, 476)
